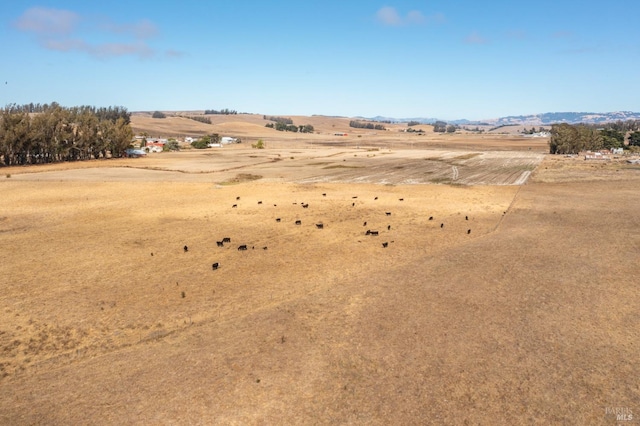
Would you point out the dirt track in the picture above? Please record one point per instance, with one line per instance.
(530, 318)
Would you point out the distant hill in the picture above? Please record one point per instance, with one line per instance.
(546, 118)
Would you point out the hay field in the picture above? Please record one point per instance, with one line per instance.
(530, 318)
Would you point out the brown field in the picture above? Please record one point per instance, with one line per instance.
(532, 318)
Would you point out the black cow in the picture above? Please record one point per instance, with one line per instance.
(353, 204)
(430, 217)
(385, 245)
(368, 232)
(374, 232)
(242, 247)
(226, 240)
(264, 248)
(468, 231)
(375, 198)
(324, 194)
(319, 225)
(298, 222)
(442, 225)
(234, 206)
(237, 198)
(215, 266)
(259, 202)
(364, 224)
(277, 219)
(355, 197)
(466, 218)
(305, 206)
(186, 249)
(388, 227)
(401, 199)
(220, 243)
(388, 213)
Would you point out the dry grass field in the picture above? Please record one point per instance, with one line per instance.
(531, 318)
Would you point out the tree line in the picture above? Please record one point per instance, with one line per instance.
(103, 113)
(283, 120)
(442, 127)
(279, 125)
(55, 134)
(224, 111)
(365, 125)
(571, 139)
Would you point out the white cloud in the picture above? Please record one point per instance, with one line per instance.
(475, 38)
(57, 30)
(41, 20)
(389, 16)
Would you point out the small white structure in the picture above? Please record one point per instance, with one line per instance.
(227, 140)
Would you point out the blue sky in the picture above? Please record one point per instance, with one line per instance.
(442, 59)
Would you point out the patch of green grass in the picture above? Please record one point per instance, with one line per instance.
(340, 166)
(440, 180)
(242, 177)
(466, 156)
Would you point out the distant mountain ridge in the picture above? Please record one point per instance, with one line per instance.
(546, 118)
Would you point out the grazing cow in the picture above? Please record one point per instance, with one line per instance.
(237, 198)
(375, 198)
(388, 227)
(430, 217)
(220, 243)
(298, 222)
(242, 247)
(374, 232)
(385, 245)
(304, 206)
(186, 249)
(215, 266)
(355, 197)
(466, 218)
(264, 248)
(401, 199)
(319, 225)
(353, 204)
(234, 206)
(442, 225)
(259, 202)
(388, 213)
(364, 224)
(226, 240)
(324, 194)
(368, 232)
(468, 231)
(277, 219)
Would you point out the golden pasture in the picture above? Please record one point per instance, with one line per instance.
(531, 318)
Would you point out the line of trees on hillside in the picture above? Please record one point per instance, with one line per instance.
(571, 139)
(365, 125)
(103, 113)
(205, 120)
(283, 120)
(307, 128)
(56, 134)
(224, 111)
(442, 127)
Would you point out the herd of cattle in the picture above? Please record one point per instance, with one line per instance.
(320, 225)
